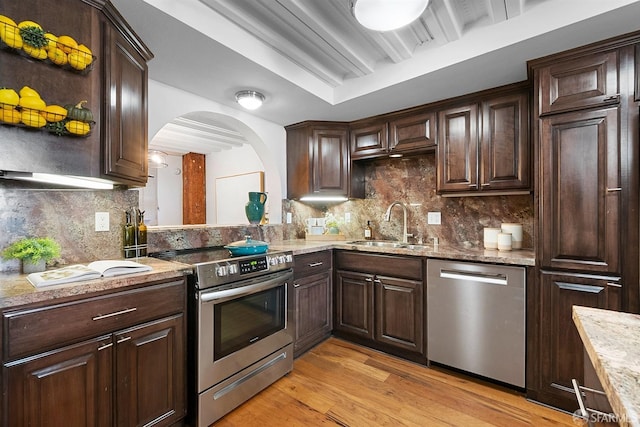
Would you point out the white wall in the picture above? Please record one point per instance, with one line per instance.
(267, 138)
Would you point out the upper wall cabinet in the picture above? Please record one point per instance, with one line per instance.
(115, 91)
(318, 162)
(411, 134)
(484, 147)
(584, 82)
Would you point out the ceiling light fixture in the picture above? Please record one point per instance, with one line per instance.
(249, 99)
(387, 15)
(157, 159)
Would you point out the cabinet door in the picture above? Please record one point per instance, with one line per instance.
(505, 149)
(312, 311)
(561, 355)
(150, 373)
(368, 140)
(413, 134)
(458, 149)
(580, 191)
(330, 162)
(399, 315)
(354, 303)
(125, 113)
(70, 387)
(579, 83)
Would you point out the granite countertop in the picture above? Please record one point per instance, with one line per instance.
(15, 290)
(612, 341)
(515, 257)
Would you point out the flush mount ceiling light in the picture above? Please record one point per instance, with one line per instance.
(249, 99)
(157, 159)
(387, 15)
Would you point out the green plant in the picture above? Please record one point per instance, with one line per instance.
(32, 249)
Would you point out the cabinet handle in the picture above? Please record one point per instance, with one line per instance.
(611, 190)
(102, 347)
(296, 285)
(610, 98)
(473, 185)
(121, 340)
(377, 281)
(104, 316)
(486, 184)
(368, 279)
(615, 285)
(315, 264)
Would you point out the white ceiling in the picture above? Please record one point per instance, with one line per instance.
(312, 60)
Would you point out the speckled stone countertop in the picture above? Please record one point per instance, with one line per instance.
(16, 290)
(516, 257)
(612, 341)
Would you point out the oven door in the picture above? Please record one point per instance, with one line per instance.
(240, 325)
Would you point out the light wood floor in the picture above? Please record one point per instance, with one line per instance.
(343, 384)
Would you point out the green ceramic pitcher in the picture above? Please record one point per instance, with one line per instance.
(255, 206)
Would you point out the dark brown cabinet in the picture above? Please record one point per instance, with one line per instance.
(409, 134)
(485, 146)
(561, 349)
(581, 191)
(68, 363)
(582, 82)
(318, 162)
(125, 115)
(310, 300)
(380, 302)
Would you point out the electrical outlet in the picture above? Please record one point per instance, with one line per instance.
(102, 221)
(347, 217)
(289, 218)
(434, 218)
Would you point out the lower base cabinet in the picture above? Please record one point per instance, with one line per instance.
(559, 357)
(380, 302)
(310, 302)
(134, 376)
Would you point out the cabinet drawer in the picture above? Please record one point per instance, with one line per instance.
(386, 265)
(311, 263)
(28, 331)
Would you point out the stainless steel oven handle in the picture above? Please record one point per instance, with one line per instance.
(243, 290)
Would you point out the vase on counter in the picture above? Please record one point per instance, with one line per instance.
(29, 267)
(255, 206)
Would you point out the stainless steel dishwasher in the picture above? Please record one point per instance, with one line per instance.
(476, 318)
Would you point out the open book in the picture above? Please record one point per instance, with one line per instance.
(77, 272)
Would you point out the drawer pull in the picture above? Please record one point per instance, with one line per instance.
(104, 316)
(611, 190)
(296, 285)
(315, 264)
(121, 340)
(102, 347)
(368, 279)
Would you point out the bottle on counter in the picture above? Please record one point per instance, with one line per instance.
(368, 231)
(128, 238)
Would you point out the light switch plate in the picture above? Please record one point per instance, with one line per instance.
(347, 217)
(289, 218)
(434, 218)
(102, 221)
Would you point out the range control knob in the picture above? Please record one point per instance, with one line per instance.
(221, 271)
(289, 257)
(281, 259)
(273, 261)
(233, 269)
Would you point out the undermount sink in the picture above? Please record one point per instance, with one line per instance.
(387, 244)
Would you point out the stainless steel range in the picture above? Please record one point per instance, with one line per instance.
(239, 342)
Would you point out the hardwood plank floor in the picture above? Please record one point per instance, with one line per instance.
(339, 383)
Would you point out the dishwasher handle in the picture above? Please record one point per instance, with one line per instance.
(494, 279)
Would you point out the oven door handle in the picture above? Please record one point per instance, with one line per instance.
(242, 290)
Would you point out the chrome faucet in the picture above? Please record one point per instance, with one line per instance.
(387, 217)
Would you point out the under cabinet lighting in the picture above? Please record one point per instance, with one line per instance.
(66, 180)
(324, 199)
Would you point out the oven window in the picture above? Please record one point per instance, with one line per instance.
(242, 321)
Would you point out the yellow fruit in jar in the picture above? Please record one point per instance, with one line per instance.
(85, 53)
(35, 52)
(77, 127)
(32, 103)
(67, 44)
(76, 61)
(54, 113)
(32, 118)
(27, 91)
(57, 56)
(11, 36)
(51, 41)
(26, 24)
(9, 97)
(6, 20)
(10, 115)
